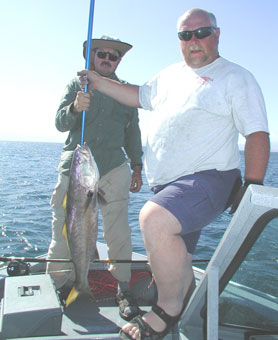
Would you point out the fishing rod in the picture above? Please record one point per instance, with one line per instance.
(87, 61)
(33, 259)
(45, 260)
(21, 265)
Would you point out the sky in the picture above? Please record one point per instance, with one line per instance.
(41, 51)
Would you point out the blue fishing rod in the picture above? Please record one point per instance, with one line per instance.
(87, 62)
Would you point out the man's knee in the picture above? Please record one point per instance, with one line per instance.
(148, 214)
(154, 218)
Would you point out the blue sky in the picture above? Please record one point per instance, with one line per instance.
(41, 50)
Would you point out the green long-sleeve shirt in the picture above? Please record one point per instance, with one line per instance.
(111, 130)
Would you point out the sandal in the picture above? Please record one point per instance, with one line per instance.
(146, 332)
(128, 307)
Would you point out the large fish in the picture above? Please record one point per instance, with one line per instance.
(81, 223)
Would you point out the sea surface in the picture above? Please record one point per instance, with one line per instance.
(28, 174)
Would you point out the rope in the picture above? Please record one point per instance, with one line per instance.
(104, 286)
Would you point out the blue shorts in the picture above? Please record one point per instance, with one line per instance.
(196, 200)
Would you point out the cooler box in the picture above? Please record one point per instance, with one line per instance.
(30, 307)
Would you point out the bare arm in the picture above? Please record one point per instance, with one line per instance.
(256, 154)
(136, 179)
(123, 93)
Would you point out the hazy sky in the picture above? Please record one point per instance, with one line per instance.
(41, 51)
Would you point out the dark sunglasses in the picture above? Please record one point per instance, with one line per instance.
(200, 33)
(111, 56)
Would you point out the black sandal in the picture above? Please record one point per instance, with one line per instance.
(146, 332)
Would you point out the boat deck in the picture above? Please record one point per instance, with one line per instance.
(85, 318)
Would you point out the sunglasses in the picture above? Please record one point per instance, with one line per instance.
(111, 56)
(199, 33)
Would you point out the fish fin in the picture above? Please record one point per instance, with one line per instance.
(72, 296)
(64, 233)
(88, 201)
(64, 204)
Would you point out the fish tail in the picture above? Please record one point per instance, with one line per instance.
(74, 293)
(72, 296)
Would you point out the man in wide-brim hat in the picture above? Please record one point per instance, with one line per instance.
(110, 50)
(111, 131)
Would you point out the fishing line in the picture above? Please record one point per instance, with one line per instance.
(87, 63)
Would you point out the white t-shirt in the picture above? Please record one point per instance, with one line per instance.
(197, 115)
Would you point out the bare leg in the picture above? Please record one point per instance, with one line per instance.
(170, 263)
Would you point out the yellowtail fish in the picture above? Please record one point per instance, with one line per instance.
(81, 223)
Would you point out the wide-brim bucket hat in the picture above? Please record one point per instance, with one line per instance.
(108, 42)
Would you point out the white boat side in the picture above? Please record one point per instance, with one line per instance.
(257, 201)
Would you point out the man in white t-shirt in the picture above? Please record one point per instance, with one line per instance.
(192, 159)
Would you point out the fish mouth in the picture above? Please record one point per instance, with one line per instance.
(84, 151)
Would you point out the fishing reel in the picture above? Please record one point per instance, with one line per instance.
(18, 268)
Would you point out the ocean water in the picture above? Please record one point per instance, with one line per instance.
(28, 174)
